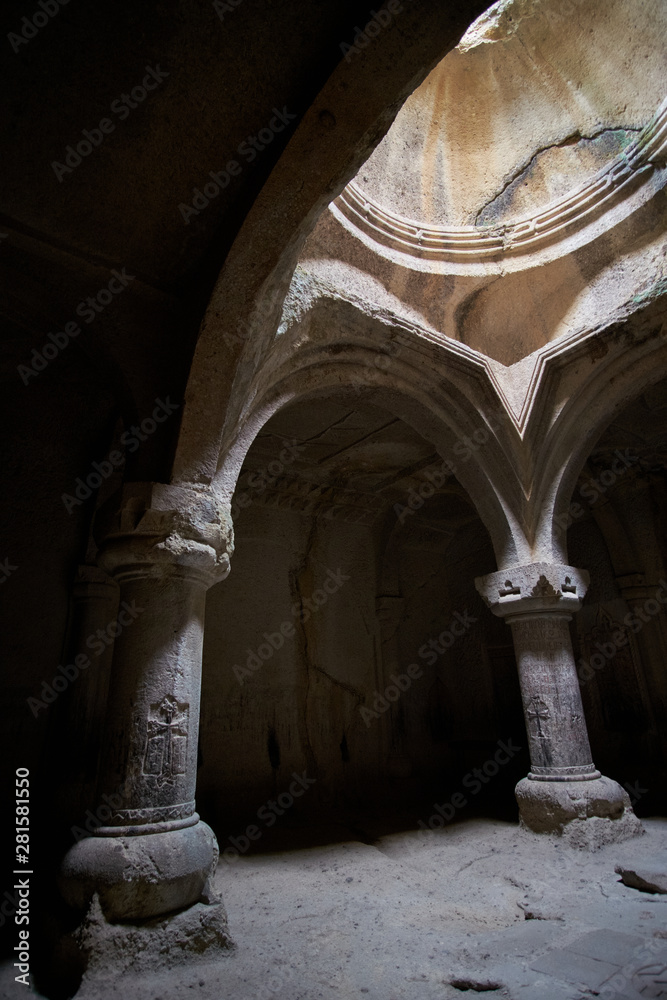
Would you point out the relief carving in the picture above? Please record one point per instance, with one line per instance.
(166, 740)
(537, 714)
(544, 589)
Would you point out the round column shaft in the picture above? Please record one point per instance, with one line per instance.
(554, 714)
(563, 791)
(152, 854)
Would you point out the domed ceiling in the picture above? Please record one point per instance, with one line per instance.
(538, 102)
(523, 180)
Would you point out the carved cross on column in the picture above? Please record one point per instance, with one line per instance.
(537, 711)
(563, 784)
(538, 600)
(167, 733)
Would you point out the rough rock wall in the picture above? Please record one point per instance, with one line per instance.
(326, 701)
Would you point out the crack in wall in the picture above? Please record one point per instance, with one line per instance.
(572, 139)
(342, 684)
(337, 423)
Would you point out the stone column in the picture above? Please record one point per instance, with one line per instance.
(563, 790)
(94, 607)
(165, 547)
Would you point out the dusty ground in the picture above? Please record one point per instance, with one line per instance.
(480, 906)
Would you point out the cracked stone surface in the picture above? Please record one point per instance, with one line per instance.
(480, 904)
(462, 165)
(651, 878)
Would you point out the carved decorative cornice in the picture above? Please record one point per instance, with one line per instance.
(535, 589)
(557, 221)
(337, 503)
(331, 502)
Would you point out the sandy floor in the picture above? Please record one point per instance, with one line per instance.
(478, 907)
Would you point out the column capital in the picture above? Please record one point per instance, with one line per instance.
(157, 529)
(537, 588)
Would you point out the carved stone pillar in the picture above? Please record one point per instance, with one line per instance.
(563, 789)
(165, 546)
(94, 607)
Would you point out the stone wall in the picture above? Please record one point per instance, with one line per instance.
(325, 701)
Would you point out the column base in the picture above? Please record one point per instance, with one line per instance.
(588, 814)
(586, 773)
(140, 876)
(97, 952)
